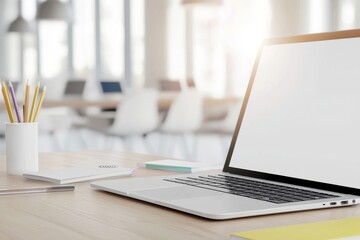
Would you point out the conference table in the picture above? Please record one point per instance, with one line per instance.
(91, 214)
(164, 102)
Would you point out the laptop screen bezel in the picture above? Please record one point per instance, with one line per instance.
(273, 177)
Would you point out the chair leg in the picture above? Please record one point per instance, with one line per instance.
(119, 143)
(83, 138)
(162, 147)
(194, 150)
(128, 143)
(225, 143)
(167, 144)
(108, 142)
(185, 146)
(57, 141)
(149, 148)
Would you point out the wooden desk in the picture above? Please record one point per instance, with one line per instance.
(91, 214)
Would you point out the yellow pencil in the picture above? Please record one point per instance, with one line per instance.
(33, 102)
(7, 102)
(26, 106)
(40, 103)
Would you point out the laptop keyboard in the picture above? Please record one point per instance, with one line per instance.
(251, 188)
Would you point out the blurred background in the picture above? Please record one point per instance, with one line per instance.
(164, 77)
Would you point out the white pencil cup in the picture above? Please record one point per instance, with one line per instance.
(21, 141)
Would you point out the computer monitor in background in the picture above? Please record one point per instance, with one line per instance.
(75, 88)
(111, 87)
(15, 85)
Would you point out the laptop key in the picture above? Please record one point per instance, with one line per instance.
(263, 191)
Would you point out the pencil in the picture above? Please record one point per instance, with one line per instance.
(36, 190)
(39, 104)
(7, 102)
(33, 102)
(13, 96)
(26, 106)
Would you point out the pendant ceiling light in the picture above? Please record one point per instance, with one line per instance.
(19, 25)
(54, 10)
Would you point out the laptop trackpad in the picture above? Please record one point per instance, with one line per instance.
(174, 193)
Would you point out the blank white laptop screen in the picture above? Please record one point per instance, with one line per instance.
(303, 115)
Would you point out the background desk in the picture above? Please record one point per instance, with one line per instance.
(90, 214)
(165, 100)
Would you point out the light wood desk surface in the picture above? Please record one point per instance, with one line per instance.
(91, 214)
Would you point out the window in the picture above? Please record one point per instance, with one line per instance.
(209, 49)
(247, 24)
(54, 49)
(317, 12)
(59, 50)
(112, 39)
(83, 42)
(347, 14)
(176, 41)
(30, 57)
(12, 65)
(221, 44)
(137, 25)
(29, 66)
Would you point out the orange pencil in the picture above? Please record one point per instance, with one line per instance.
(34, 102)
(39, 104)
(7, 102)
(26, 106)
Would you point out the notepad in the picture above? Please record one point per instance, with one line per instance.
(336, 229)
(79, 174)
(179, 166)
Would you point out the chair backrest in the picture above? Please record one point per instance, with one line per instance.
(168, 85)
(185, 113)
(137, 114)
(175, 85)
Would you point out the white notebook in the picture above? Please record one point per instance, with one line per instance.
(79, 174)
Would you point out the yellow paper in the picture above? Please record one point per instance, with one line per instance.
(311, 231)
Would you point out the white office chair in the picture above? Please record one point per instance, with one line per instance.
(4, 118)
(136, 116)
(224, 128)
(184, 117)
(57, 124)
(227, 124)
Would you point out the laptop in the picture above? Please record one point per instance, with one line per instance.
(110, 87)
(74, 88)
(296, 142)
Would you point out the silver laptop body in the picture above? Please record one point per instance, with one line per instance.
(296, 143)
